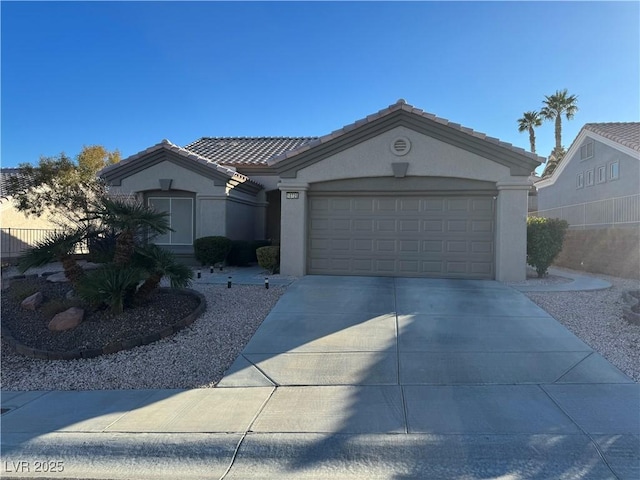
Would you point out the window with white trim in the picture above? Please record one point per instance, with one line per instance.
(601, 174)
(590, 175)
(180, 212)
(580, 180)
(586, 151)
(614, 170)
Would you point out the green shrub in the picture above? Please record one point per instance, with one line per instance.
(21, 289)
(211, 250)
(544, 242)
(269, 258)
(243, 252)
(110, 285)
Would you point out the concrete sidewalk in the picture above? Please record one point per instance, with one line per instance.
(359, 377)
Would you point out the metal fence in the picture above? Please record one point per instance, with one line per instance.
(612, 212)
(14, 241)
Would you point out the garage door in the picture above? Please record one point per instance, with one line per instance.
(413, 236)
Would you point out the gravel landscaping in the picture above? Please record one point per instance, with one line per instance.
(596, 318)
(195, 357)
(199, 355)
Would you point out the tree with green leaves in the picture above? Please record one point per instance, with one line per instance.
(61, 188)
(528, 122)
(557, 105)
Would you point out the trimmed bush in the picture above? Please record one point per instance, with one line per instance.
(544, 242)
(269, 258)
(243, 252)
(211, 250)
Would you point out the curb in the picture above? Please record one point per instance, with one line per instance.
(112, 347)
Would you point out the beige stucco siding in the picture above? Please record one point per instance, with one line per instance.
(182, 179)
(428, 157)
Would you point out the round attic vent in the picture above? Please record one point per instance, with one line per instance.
(400, 146)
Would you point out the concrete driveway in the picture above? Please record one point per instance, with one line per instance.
(359, 377)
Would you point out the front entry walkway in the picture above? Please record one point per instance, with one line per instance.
(360, 377)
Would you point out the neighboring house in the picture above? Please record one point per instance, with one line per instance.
(400, 192)
(596, 186)
(18, 231)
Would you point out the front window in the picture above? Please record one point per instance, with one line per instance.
(180, 212)
(614, 171)
(586, 151)
(590, 175)
(580, 180)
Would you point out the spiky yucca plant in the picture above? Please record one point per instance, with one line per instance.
(160, 263)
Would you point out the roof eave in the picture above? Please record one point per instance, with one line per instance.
(519, 163)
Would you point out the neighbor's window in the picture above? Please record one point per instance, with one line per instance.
(586, 151)
(180, 212)
(601, 174)
(580, 180)
(614, 171)
(590, 174)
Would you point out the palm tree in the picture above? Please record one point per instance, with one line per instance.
(160, 263)
(59, 246)
(528, 122)
(555, 106)
(130, 219)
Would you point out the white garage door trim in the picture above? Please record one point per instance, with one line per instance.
(391, 234)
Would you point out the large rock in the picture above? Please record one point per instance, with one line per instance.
(66, 320)
(32, 302)
(59, 277)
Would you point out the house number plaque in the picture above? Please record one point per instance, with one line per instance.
(293, 195)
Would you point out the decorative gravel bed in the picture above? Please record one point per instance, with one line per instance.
(99, 327)
(596, 318)
(197, 356)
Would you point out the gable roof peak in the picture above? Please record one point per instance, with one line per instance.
(624, 133)
(401, 106)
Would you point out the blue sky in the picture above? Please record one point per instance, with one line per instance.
(128, 74)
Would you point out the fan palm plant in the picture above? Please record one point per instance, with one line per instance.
(160, 263)
(58, 246)
(528, 122)
(130, 219)
(556, 105)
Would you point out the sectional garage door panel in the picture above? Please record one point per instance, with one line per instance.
(449, 236)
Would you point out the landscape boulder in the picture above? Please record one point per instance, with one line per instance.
(66, 320)
(59, 277)
(32, 302)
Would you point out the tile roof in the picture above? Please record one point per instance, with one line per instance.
(244, 150)
(624, 133)
(167, 145)
(401, 105)
(5, 175)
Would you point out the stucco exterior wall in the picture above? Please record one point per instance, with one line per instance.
(428, 156)
(20, 231)
(240, 220)
(564, 190)
(182, 179)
